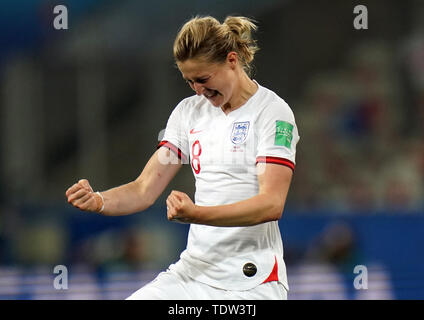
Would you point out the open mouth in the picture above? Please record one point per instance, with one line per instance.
(210, 94)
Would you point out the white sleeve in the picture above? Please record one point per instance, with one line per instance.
(277, 135)
(175, 137)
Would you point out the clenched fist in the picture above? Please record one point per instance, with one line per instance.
(82, 196)
(180, 208)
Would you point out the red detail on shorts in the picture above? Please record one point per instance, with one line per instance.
(274, 273)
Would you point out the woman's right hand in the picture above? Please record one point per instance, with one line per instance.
(82, 196)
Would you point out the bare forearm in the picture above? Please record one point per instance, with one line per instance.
(266, 206)
(126, 199)
(132, 197)
(258, 209)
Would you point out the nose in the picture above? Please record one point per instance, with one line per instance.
(198, 88)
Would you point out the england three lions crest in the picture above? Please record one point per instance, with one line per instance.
(240, 131)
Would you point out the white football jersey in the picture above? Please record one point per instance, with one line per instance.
(223, 151)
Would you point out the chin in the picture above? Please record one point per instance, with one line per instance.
(215, 102)
(218, 101)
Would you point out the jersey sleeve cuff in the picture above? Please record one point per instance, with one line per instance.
(276, 160)
(172, 147)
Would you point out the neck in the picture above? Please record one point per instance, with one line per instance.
(246, 89)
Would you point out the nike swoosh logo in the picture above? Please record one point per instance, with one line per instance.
(193, 132)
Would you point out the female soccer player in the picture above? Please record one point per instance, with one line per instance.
(240, 140)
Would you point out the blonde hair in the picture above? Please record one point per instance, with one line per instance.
(208, 39)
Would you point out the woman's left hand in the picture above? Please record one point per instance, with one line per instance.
(180, 207)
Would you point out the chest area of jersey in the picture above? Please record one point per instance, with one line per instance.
(222, 141)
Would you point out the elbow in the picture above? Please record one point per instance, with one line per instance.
(276, 214)
(269, 217)
(148, 202)
(145, 198)
(275, 211)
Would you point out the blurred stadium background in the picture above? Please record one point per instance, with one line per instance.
(90, 101)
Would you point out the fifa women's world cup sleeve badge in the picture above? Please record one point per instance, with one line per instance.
(283, 133)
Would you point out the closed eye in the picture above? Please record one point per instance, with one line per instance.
(200, 80)
(203, 80)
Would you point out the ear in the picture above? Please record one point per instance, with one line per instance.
(232, 59)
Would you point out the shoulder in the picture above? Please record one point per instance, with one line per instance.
(273, 106)
(190, 105)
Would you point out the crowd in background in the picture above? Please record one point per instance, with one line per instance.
(362, 147)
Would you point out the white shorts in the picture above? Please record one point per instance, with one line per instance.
(170, 285)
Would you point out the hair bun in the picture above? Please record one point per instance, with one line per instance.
(206, 37)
